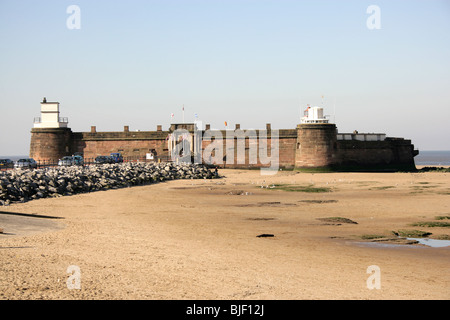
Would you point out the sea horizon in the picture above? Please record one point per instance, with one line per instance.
(433, 158)
(424, 158)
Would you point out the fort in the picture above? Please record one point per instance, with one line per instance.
(314, 145)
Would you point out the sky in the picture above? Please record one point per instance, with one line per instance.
(250, 62)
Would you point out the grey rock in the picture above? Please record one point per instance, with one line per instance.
(25, 184)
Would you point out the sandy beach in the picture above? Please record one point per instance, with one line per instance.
(198, 239)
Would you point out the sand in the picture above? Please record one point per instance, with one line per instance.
(198, 239)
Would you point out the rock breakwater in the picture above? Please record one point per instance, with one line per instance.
(21, 185)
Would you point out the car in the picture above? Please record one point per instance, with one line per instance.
(117, 157)
(6, 163)
(110, 159)
(71, 161)
(78, 160)
(102, 160)
(26, 163)
(65, 161)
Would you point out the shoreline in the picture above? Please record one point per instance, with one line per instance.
(198, 239)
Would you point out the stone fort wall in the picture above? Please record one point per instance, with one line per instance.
(309, 146)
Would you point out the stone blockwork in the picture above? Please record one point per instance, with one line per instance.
(309, 146)
(316, 146)
(50, 144)
(246, 152)
(393, 154)
(133, 145)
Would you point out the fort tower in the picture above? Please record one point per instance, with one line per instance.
(50, 136)
(316, 141)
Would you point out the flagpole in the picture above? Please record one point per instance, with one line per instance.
(183, 113)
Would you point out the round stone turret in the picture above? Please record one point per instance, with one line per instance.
(316, 146)
(50, 136)
(50, 144)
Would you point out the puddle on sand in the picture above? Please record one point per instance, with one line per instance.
(432, 242)
(383, 245)
(427, 242)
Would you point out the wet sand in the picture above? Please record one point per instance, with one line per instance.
(198, 239)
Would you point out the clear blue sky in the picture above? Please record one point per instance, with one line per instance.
(250, 62)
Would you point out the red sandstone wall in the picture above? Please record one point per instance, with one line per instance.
(287, 152)
(50, 144)
(128, 148)
(392, 154)
(286, 145)
(302, 148)
(134, 145)
(316, 146)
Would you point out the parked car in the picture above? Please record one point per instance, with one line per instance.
(65, 161)
(71, 161)
(110, 159)
(102, 160)
(6, 163)
(26, 163)
(117, 157)
(78, 160)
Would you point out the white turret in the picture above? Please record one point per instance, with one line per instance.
(50, 116)
(313, 115)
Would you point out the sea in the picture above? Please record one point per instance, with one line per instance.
(433, 158)
(424, 158)
(14, 158)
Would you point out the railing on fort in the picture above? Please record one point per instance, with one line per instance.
(60, 120)
(361, 136)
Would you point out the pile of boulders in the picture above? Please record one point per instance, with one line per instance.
(21, 185)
